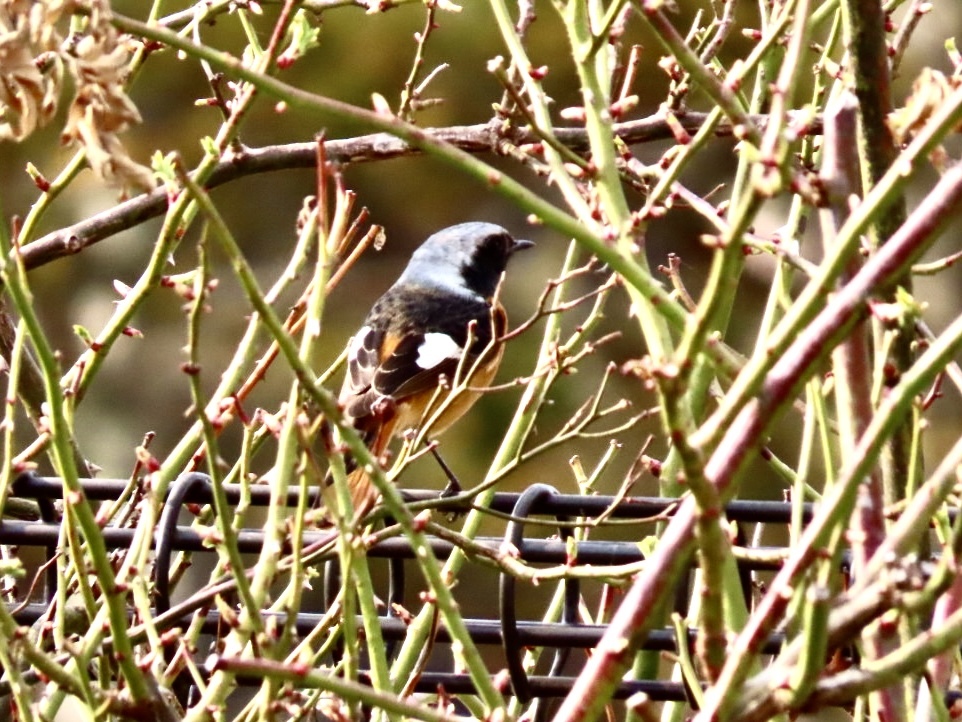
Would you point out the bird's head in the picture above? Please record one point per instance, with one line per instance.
(468, 258)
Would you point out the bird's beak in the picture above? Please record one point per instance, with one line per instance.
(521, 245)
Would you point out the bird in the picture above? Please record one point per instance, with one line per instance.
(432, 324)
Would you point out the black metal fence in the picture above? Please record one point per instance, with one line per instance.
(504, 628)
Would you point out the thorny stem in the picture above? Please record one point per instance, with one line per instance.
(538, 108)
(864, 26)
(409, 95)
(812, 297)
(721, 93)
(883, 424)
(302, 676)
(59, 414)
(791, 369)
(89, 363)
(863, 23)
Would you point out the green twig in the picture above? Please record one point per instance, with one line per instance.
(61, 431)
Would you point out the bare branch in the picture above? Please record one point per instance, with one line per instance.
(483, 138)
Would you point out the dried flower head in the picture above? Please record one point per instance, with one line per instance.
(30, 77)
(929, 92)
(33, 60)
(101, 107)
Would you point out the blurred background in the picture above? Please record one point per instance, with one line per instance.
(141, 387)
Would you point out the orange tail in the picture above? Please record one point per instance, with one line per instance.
(363, 493)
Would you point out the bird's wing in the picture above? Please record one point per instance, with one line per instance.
(357, 397)
(380, 370)
(416, 363)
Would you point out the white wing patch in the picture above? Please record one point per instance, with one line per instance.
(435, 349)
(357, 343)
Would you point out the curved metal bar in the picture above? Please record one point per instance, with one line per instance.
(179, 492)
(569, 617)
(51, 578)
(332, 585)
(49, 515)
(511, 640)
(745, 576)
(569, 612)
(167, 529)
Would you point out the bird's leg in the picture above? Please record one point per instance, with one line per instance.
(454, 486)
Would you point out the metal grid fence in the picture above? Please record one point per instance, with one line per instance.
(505, 628)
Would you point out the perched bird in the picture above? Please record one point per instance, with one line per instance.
(435, 322)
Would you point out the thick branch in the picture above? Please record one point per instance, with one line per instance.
(483, 138)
